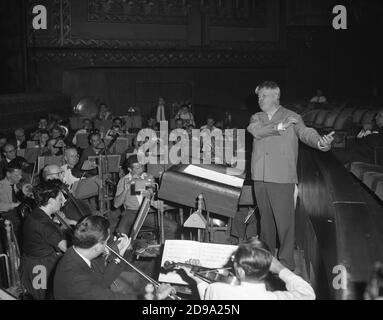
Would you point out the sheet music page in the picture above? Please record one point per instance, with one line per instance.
(214, 176)
(214, 255)
(211, 255)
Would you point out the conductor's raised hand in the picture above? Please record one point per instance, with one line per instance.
(327, 139)
(123, 243)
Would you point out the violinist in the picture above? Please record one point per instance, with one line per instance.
(83, 275)
(251, 263)
(131, 200)
(44, 242)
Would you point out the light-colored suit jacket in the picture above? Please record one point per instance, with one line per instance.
(275, 152)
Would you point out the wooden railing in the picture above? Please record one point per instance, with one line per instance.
(339, 225)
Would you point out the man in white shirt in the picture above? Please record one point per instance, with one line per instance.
(251, 263)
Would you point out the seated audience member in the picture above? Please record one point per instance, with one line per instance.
(82, 273)
(86, 127)
(43, 239)
(103, 112)
(252, 263)
(362, 149)
(131, 201)
(319, 98)
(9, 153)
(8, 195)
(20, 141)
(185, 114)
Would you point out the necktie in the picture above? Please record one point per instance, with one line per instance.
(14, 199)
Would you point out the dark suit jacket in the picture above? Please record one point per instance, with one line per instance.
(275, 153)
(74, 280)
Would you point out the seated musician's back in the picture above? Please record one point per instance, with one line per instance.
(77, 277)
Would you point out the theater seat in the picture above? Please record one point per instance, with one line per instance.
(330, 120)
(359, 168)
(379, 190)
(357, 115)
(372, 178)
(368, 117)
(309, 117)
(344, 120)
(319, 120)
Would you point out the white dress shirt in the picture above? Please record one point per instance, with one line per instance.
(297, 289)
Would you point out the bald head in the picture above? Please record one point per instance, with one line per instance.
(52, 171)
(71, 157)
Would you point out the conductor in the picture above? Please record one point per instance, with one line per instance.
(275, 132)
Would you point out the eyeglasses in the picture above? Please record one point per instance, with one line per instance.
(9, 151)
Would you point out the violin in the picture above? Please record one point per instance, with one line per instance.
(208, 275)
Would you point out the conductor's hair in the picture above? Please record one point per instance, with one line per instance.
(46, 190)
(254, 258)
(269, 85)
(90, 231)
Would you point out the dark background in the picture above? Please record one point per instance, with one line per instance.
(211, 52)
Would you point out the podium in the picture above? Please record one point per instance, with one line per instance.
(221, 192)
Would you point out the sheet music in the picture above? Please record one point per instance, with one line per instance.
(211, 255)
(214, 176)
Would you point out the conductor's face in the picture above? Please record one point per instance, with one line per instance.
(267, 99)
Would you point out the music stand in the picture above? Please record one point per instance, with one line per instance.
(106, 124)
(31, 144)
(85, 188)
(20, 153)
(76, 122)
(44, 161)
(113, 162)
(122, 145)
(31, 154)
